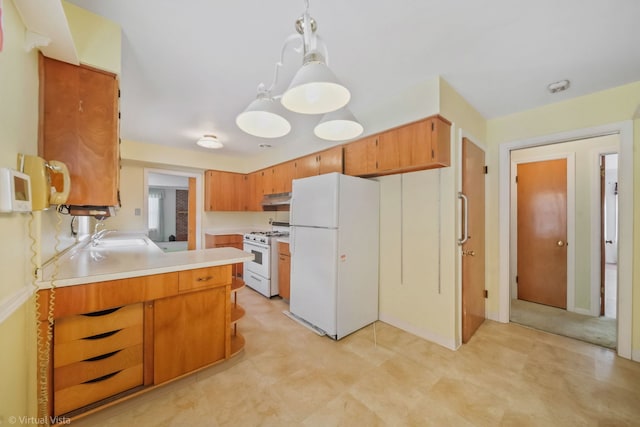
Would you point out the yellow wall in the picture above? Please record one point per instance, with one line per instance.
(18, 134)
(97, 39)
(609, 106)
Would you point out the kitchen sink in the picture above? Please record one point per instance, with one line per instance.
(115, 243)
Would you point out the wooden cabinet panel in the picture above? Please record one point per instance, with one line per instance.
(283, 174)
(96, 355)
(92, 297)
(360, 157)
(204, 277)
(284, 270)
(330, 160)
(266, 179)
(424, 144)
(306, 166)
(79, 126)
(225, 241)
(190, 332)
(224, 191)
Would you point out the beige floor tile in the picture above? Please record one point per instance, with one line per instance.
(507, 375)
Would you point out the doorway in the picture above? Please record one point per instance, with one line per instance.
(171, 209)
(577, 313)
(608, 235)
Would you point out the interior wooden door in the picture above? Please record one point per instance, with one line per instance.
(542, 232)
(473, 259)
(191, 227)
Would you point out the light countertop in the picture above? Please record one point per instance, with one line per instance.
(130, 255)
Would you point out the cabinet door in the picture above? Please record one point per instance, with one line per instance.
(79, 126)
(224, 191)
(360, 157)
(283, 175)
(398, 147)
(284, 271)
(189, 332)
(266, 178)
(330, 160)
(306, 166)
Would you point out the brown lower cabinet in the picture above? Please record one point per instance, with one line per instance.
(189, 332)
(284, 270)
(117, 338)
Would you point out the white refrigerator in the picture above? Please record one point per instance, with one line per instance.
(334, 241)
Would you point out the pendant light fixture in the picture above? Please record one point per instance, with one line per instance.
(313, 90)
(338, 125)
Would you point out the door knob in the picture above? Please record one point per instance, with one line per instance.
(560, 243)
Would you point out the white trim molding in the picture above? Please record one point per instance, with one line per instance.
(13, 302)
(625, 199)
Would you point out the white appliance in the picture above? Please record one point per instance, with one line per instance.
(261, 274)
(334, 252)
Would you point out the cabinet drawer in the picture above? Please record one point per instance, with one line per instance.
(79, 395)
(96, 367)
(97, 345)
(91, 324)
(204, 278)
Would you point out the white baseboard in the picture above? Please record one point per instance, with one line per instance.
(495, 316)
(13, 302)
(427, 335)
(584, 311)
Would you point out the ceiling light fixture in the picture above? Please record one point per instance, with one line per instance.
(338, 125)
(313, 90)
(209, 141)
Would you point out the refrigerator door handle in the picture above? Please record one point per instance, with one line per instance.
(292, 240)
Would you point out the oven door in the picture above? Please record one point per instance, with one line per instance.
(261, 261)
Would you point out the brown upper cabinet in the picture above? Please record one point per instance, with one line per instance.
(225, 191)
(326, 161)
(415, 146)
(79, 126)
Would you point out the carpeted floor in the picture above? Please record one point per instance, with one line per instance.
(596, 330)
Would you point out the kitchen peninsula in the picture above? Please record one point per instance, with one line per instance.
(129, 317)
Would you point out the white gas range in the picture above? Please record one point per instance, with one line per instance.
(261, 274)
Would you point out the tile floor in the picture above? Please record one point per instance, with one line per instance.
(507, 375)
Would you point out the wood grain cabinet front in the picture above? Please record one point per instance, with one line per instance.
(190, 332)
(284, 270)
(79, 126)
(424, 144)
(96, 355)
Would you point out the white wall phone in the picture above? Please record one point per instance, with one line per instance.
(42, 188)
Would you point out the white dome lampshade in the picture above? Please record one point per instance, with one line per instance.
(210, 141)
(338, 125)
(261, 119)
(315, 89)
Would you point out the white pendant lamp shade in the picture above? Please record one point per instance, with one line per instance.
(209, 141)
(315, 89)
(338, 125)
(261, 119)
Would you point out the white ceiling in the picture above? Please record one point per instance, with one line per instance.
(191, 67)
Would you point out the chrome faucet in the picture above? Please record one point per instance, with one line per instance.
(98, 234)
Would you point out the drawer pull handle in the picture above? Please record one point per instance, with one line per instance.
(204, 279)
(103, 335)
(102, 356)
(102, 378)
(102, 312)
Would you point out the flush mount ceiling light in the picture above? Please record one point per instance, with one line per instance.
(559, 86)
(313, 90)
(209, 141)
(338, 126)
